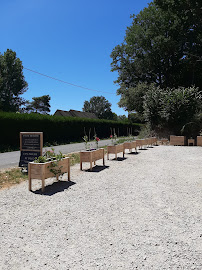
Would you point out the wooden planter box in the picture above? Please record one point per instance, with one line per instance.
(199, 140)
(114, 149)
(177, 140)
(154, 140)
(164, 141)
(191, 142)
(148, 141)
(140, 143)
(42, 170)
(92, 156)
(130, 145)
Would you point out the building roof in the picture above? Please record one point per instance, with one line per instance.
(74, 113)
(62, 113)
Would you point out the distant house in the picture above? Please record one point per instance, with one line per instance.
(62, 113)
(73, 113)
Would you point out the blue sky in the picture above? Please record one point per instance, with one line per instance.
(68, 40)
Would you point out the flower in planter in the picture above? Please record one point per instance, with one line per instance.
(49, 154)
(96, 141)
(113, 139)
(85, 138)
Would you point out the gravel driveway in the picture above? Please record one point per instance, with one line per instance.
(143, 212)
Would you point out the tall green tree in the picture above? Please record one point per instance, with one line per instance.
(38, 105)
(189, 14)
(12, 82)
(133, 98)
(100, 106)
(161, 46)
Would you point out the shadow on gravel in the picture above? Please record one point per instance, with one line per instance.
(54, 188)
(133, 153)
(97, 168)
(119, 159)
(143, 149)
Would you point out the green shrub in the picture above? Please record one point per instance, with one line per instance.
(56, 129)
(191, 130)
(171, 109)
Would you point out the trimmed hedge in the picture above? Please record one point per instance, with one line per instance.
(56, 129)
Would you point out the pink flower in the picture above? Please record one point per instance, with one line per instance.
(97, 139)
(111, 136)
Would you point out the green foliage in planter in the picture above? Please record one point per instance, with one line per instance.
(55, 168)
(40, 159)
(49, 155)
(54, 158)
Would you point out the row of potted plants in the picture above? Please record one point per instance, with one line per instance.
(92, 155)
(54, 165)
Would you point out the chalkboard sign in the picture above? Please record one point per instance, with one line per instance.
(27, 156)
(31, 141)
(31, 144)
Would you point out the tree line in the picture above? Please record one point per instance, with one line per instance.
(159, 65)
(13, 85)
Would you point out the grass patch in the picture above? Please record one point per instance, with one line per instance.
(11, 177)
(122, 140)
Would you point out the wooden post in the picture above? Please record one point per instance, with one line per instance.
(80, 162)
(30, 180)
(69, 170)
(91, 165)
(43, 179)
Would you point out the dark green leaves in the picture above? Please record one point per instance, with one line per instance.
(100, 106)
(12, 82)
(39, 105)
(162, 46)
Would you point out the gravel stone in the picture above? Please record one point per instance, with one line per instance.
(142, 212)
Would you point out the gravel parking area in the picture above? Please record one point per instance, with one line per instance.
(143, 212)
